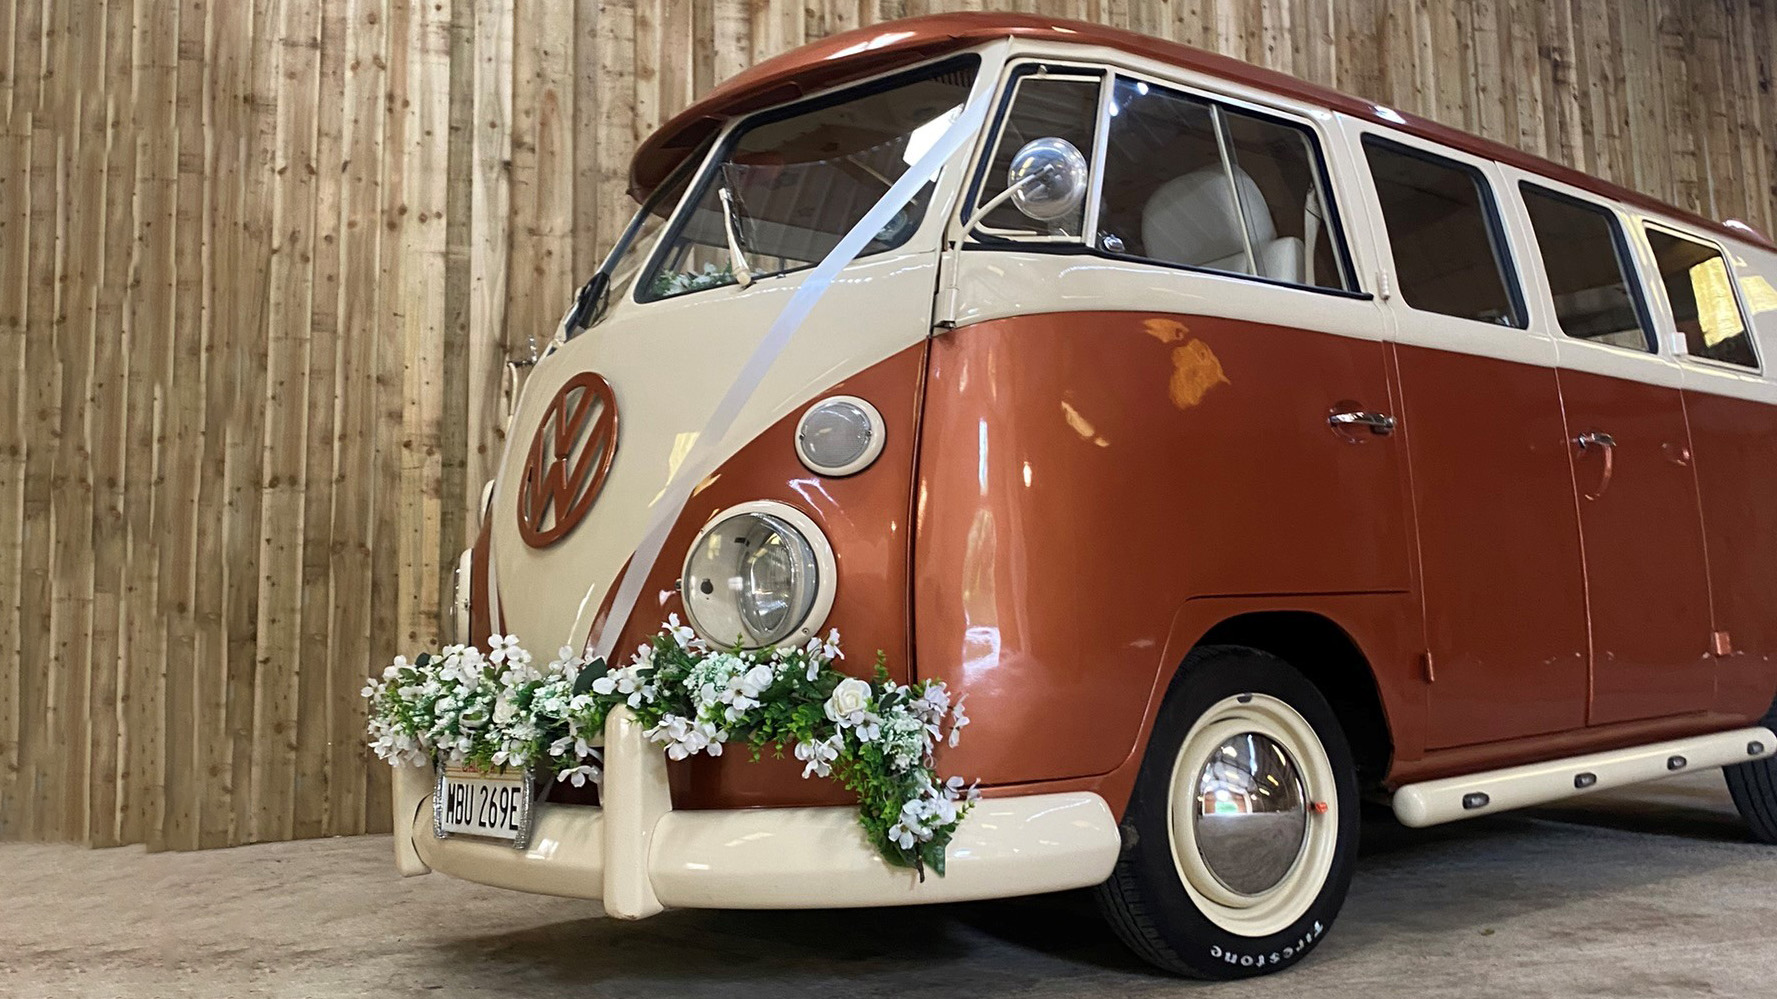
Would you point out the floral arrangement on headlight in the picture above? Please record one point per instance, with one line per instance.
(876, 737)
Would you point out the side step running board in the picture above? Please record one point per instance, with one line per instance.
(1432, 802)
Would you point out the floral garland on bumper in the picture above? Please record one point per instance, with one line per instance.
(497, 710)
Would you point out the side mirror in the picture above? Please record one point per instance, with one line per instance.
(1047, 179)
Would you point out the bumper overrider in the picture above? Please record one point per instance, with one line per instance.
(639, 856)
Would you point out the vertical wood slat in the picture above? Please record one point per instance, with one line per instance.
(15, 222)
(106, 430)
(286, 441)
(261, 264)
(360, 172)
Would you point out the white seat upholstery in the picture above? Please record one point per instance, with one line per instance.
(1192, 220)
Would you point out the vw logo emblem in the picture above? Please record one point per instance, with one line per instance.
(568, 460)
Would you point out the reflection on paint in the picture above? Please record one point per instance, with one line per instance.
(1080, 425)
(1760, 296)
(1166, 330)
(1195, 370)
(981, 457)
(981, 632)
(682, 445)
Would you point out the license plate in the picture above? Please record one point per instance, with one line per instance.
(472, 803)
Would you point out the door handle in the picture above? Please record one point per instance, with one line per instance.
(1606, 445)
(1379, 423)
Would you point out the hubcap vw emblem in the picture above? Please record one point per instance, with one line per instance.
(569, 459)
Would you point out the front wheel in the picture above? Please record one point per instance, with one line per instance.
(1240, 836)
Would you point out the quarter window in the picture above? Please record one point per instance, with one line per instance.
(1588, 268)
(1449, 253)
(1190, 182)
(1702, 298)
(1043, 106)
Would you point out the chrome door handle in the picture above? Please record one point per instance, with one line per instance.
(1379, 423)
(1607, 446)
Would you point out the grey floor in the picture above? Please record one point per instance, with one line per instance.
(1654, 892)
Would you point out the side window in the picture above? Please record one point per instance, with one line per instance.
(1449, 253)
(1043, 106)
(1588, 266)
(1702, 297)
(1189, 182)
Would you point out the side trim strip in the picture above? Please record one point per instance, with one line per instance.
(1437, 801)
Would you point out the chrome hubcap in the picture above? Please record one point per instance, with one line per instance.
(1251, 814)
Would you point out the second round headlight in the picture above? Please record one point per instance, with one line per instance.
(761, 574)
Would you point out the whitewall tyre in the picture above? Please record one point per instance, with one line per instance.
(1239, 839)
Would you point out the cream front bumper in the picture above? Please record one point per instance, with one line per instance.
(638, 855)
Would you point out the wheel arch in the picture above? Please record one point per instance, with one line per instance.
(1326, 654)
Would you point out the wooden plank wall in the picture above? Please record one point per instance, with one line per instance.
(262, 262)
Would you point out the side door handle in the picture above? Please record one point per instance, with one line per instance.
(1605, 444)
(1379, 423)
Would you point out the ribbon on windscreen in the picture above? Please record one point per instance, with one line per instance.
(704, 457)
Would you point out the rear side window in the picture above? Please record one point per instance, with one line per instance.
(1449, 253)
(1702, 297)
(1588, 267)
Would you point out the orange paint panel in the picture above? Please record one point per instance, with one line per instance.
(865, 518)
(1083, 476)
(1736, 466)
(1647, 582)
(1505, 611)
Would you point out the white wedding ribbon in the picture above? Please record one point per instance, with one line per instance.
(704, 457)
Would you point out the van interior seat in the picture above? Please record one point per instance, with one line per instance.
(1192, 220)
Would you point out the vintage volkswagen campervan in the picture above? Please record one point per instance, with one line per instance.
(1240, 450)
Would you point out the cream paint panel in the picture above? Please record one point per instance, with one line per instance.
(795, 858)
(1572, 353)
(410, 788)
(638, 855)
(994, 284)
(1433, 802)
(1320, 120)
(1429, 329)
(669, 363)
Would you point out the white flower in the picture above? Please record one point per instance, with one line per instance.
(753, 682)
(579, 775)
(682, 635)
(848, 702)
(819, 756)
(501, 647)
(957, 721)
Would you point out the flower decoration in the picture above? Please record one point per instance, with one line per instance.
(496, 710)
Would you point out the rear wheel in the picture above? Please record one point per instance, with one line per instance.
(1240, 835)
(1753, 785)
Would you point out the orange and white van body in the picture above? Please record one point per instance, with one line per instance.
(1092, 463)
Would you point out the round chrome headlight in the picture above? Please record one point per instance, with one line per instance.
(760, 574)
(840, 435)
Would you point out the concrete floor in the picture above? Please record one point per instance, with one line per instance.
(1654, 892)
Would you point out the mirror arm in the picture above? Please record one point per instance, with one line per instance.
(996, 201)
